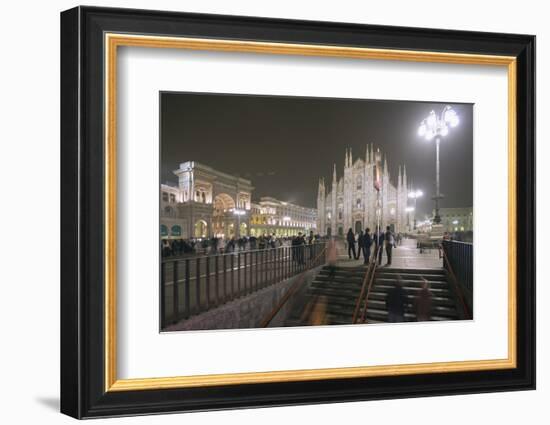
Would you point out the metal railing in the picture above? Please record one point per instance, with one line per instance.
(361, 305)
(317, 260)
(190, 286)
(458, 260)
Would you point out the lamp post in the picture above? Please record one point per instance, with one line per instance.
(414, 195)
(438, 127)
(238, 213)
(410, 210)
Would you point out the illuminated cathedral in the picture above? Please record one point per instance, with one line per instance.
(364, 196)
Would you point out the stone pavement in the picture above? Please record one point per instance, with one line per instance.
(406, 255)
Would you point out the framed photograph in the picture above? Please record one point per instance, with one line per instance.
(261, 212)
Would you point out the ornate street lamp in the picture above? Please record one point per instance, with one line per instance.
(438, 127)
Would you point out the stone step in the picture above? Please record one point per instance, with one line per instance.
(342, 279)
(412, 282)
(335, 292)
(438, 271)
(380, 287)
(382, 316)
(337, 284)
(435, 299)
(326, 273)
(411, 276)
(359, 269)
(437, 310)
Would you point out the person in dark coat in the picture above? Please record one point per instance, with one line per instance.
(423, 302)
(360, 241)
(395, 302)
(367, 242)
(389, 240)
(350, 237)
(378, 241)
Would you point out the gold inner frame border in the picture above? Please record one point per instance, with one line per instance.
(113, 40)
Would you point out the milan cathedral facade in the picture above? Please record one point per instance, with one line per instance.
(352, 200)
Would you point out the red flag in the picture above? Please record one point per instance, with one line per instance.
(377, 178)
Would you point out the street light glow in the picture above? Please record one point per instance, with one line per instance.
(434, 126)
(416, 194)
(422, 129)
(438, 127)
(450, 116)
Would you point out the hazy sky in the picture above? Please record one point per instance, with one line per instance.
(284, 144)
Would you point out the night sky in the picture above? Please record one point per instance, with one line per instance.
(284, 144)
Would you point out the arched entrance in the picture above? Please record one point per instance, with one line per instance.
(340, 231)
(358, 226)
(223, 205)
(176, 230)
(243, 230)
(201, 229)
(329, 231)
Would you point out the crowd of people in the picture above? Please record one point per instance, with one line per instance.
(219, 245)
(396, 302)
(365, 241)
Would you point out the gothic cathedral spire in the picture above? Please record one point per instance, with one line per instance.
(399, 180)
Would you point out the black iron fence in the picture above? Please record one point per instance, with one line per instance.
(191, 286)
(459, 260)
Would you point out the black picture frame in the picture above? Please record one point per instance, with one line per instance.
(83, 392)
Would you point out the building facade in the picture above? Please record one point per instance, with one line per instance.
(352, 200)
(457, 219)
(206, 202)
(272, 216)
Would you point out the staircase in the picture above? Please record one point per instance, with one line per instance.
(443, 298)
(334, 299)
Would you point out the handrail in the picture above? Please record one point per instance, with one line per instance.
(459, 291)
(288, 294)
(373, 273)
(360, 297)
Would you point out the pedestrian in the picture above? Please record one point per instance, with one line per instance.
(332, 258)
(389, 240)
(423, 302)
(262, 242)
(301, 242)
(230, 245)
(395, 302)
(310, 241)
(367, 242)
(213, 245)
(360, 242)
(378, 243)
(350, 237)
